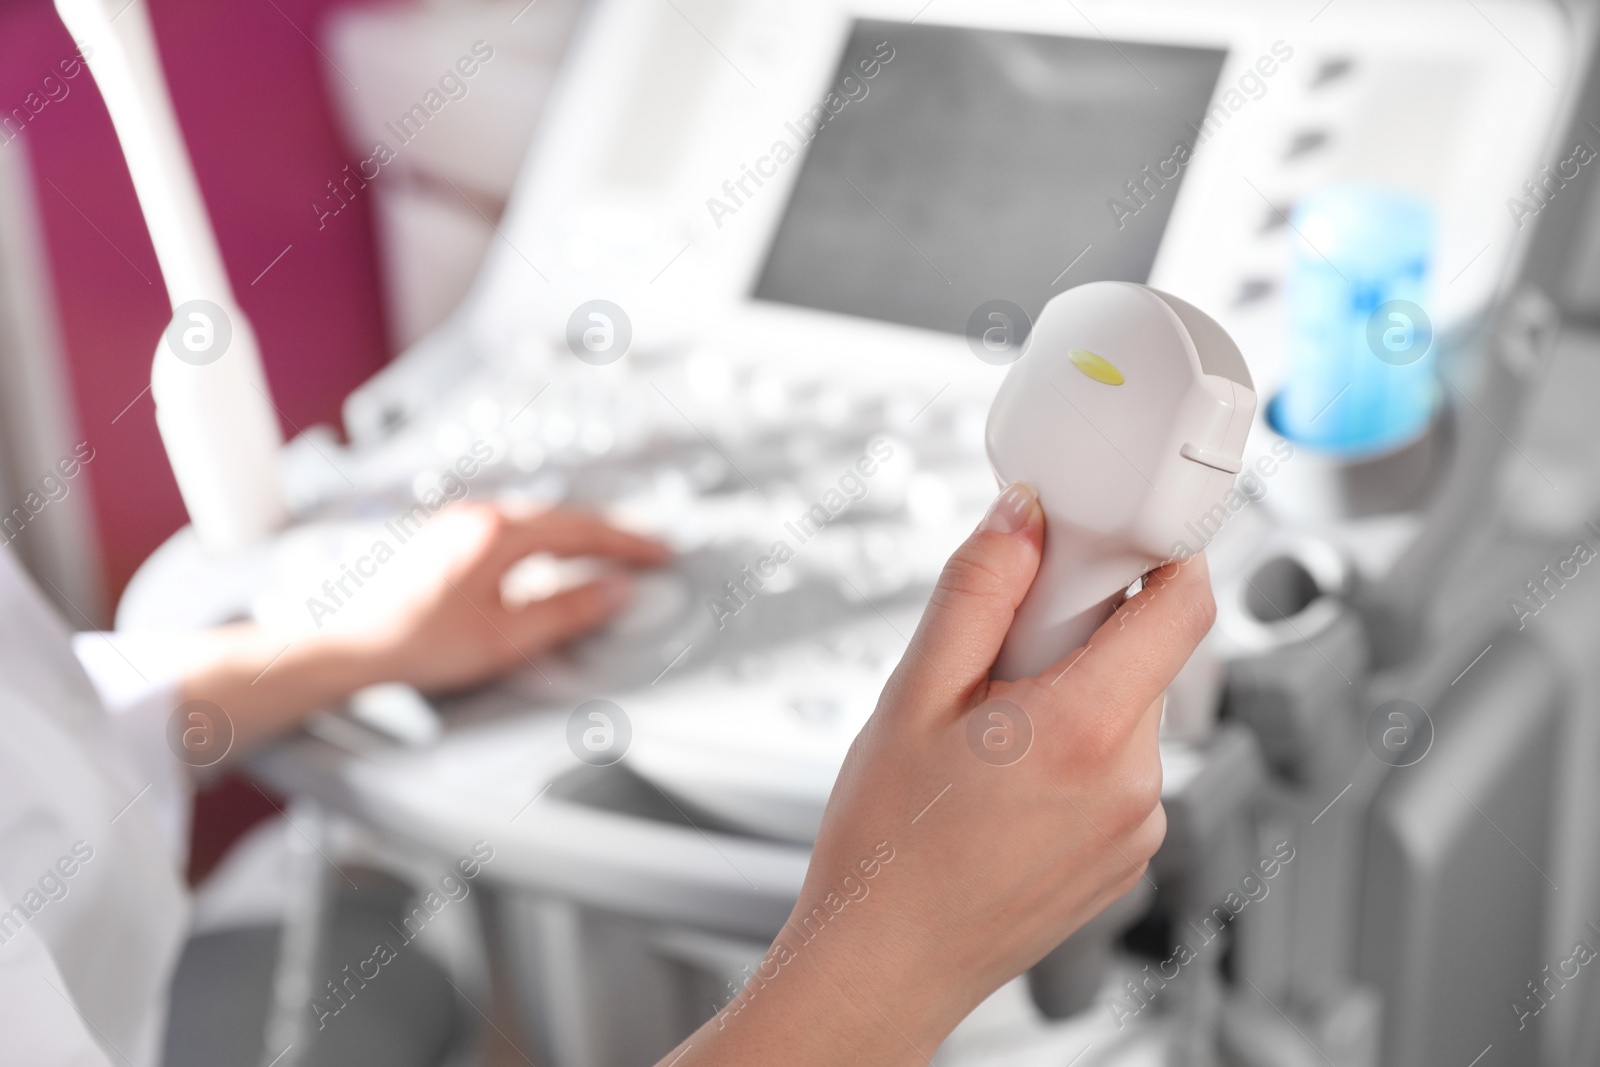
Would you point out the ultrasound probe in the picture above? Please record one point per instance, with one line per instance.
(1128, 413)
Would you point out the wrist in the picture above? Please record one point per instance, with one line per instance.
(267, 683)
(844, 993)
(334, 666)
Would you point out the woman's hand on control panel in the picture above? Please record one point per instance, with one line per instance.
(432, 616)
(457, 630)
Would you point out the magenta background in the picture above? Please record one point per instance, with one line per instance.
(248, 87)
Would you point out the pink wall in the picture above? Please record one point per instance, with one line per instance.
(248, 87)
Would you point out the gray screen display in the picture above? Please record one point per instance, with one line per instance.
(975, 165)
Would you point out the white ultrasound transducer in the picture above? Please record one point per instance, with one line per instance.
(1128, 413)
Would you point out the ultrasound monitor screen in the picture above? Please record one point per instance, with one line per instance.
(978, 164)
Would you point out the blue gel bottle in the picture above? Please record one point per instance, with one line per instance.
(1360, 379)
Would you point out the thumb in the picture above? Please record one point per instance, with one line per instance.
(971, 609)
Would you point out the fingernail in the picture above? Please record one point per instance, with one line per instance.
(1011, 509)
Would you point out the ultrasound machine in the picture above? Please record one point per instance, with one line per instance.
(761, 277)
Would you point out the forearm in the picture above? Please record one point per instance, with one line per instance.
(839, 998)
(267, 684)
(821, 1028)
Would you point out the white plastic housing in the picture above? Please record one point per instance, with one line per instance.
(1129, 474)
(222, 440)
(216, 420)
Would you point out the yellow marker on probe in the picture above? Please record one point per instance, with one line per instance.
(1097, 367)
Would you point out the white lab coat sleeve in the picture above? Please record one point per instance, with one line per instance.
(44, 1027)
(138, 679)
